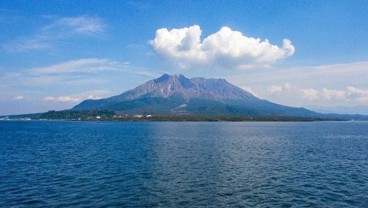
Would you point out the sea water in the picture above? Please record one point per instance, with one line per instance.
(183, 164)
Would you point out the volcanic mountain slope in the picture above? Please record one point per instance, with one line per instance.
(178, 95)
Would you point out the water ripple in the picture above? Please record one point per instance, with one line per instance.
(87, 164)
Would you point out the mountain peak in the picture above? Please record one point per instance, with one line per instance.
(166, 77)
(163, 78)
(178, 85)
(178, 75)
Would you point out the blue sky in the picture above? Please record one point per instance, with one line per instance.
(54, 54)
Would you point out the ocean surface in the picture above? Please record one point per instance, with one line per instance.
(183, 164)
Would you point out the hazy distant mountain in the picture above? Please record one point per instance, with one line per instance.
(359, 109)
(177, 94)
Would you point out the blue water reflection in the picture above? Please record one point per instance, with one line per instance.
(170, 164)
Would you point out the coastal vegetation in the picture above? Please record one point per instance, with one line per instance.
(108, 115)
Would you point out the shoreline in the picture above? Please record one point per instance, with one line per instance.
(108, 115)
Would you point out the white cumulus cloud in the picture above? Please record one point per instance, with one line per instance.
(310, 94)
(250, 90)
(333, 94)
(75, 98)
(63, 99)
(278, 89)
(225, 48)
(19, 97)
(350, 94)
(275, 89)
(360, 95)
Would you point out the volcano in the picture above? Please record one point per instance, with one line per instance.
(179, 95)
